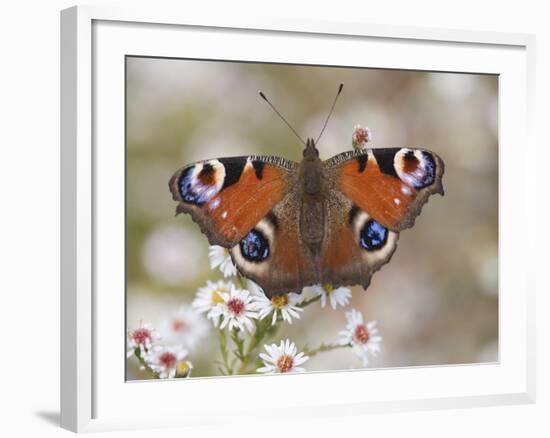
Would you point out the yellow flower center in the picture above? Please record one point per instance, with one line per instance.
(279, 301)
(216, 296)
(328, 288)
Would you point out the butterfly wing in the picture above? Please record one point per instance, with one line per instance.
(355, 246)
(273, 253)
(375, 194)
(391, 185)
(227, 197)
(371, 196)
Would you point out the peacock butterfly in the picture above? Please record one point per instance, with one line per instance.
(288, 225)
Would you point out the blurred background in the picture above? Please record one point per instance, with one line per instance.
(180, 111)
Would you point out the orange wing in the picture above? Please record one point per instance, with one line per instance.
(226, 197)
(390, 185)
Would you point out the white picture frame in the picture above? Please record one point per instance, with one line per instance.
(93, 40)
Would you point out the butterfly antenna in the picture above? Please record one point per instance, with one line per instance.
(262, 95)
(330, 112)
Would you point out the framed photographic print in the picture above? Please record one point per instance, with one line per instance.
(245, 211)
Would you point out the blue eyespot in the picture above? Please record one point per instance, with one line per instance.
(422, 176)
(254, 247)
(193, 190)
(373, 236)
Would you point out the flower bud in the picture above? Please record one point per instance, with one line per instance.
(183, 369)
(361, 135)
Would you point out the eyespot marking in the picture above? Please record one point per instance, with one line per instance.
(417, 168)
(254, 246)
(207, 175)
(201, 182)
(373, 235)
(410, 162)
(429, 170)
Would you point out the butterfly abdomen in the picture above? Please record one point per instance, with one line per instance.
(312, 224)
(312, 208)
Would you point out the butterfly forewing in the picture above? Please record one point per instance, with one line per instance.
(374, 194)
(227, 197)
(391, 185)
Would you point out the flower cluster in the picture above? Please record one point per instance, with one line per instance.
(241, 307)
(163, 352)
(238, 308)
(245, 319)
(166, 361)
(161, 360)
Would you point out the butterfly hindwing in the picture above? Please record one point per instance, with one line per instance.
(391, 185)
(273, 254)
(227, 197)
(355, 246)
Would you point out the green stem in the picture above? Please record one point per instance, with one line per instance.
(241, 280)
(261, 329)
(137, 353)
(239, 344)
(264, 326)
(223, 350)
(323, 348)
(308, 302)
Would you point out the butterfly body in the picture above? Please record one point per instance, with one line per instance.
(289, 225)
(311, 196)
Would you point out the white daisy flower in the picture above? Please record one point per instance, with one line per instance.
(363, 338)
(237, 310)
(142, 337)
(284, 303)
(219, 256)
(185, 326)
(282, 359)
(208, 297)
(339, 296)
(164, 360)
